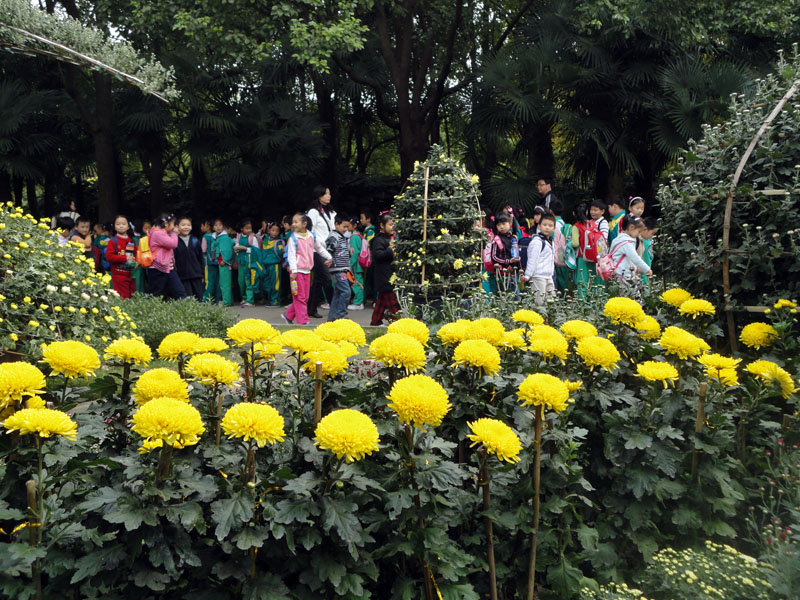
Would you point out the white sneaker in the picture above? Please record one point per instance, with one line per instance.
(355, 307)
(325, 306)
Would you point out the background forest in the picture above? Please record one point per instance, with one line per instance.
(272, 98)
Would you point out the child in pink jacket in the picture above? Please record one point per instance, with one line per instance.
(300, 248)
(162, 278)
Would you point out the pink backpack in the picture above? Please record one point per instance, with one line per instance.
(606, 267)
(488, 265)
(559, 247)
(365, 256)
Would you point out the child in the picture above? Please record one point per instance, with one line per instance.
(140, 273)
(636, 206)
(82, 235)
(224, 256)
(100, 241)
(286, 291)
(617, 212)
(382, 259)
(210, 231)
(248, 257)
(563, 276)
(162, 279)
(339, 248)
(120, 253)
(645, 247)
(365, 218)
(64, 226)
(300, 255)
(597, 211)
(541, 261)
(585, 236)
(189, 259)
(627, 263)
(505, 253)
(357, 242)
(271, 258)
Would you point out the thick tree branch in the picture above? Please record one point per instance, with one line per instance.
(512, 24)
(375, 86)
(438, 93)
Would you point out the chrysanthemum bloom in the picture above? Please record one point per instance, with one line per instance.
(43, 422)
(574, 386)
(166, 421)
(648, 328)
(531, 317)
(258, 422)
(577, 329)
(267, 350)
(334, 361)
(416, 329)
(212, 369)
(302, 340)
(342, 330)
(541, 389)
(694, 307)
(477, 353)
(757, 335)
(177, 344)
(349, 349)
(598, 352)
(71, 358)
(398, 350)
(720, 367)
(419, 401)
(548, 342)
(624, 310)
(454, 333)
(681, 343)
(129, 350)
(656, 370)
(348, 433)
(769, 372)
(210, 345)
(250, 331)
(497, 437)
(18, 380)
(784, 303)
(513, 340)
(160, 383)
(487, 329)
(676, 296)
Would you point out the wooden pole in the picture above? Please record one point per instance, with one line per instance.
(34, 533)
(698, 425)
(537, 441)
(487, 524)
(425, 218)
(318, 392)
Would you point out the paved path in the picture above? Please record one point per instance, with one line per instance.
(272, 315)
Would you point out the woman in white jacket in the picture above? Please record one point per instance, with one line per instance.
(322, 216)
(629, 264)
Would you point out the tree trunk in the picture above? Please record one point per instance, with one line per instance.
(326, 107)
(18, 187)
(105, 152)
(49, 194)
(153, 167)
(30, 193)
(539, 147)
(5, 188)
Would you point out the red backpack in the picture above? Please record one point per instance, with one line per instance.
(488, 265)
(593, 244)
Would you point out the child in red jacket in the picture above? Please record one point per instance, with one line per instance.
(121, 255)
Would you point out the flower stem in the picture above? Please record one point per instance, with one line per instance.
(64, 391)
(483, 482)
(537, 462)
(218, 419)
(698, 426)
(164, 460)
(250, 464)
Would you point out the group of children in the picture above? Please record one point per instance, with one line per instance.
(557, 256)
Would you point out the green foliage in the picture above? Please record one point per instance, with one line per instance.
(156, 318)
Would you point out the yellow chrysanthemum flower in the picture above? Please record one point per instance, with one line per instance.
(784, 303)
(342, 330)
(258, 422)
(268, 350)
(302, 340)
(250, 331)
(166, 421)
(548, 342)
(416, 329)
(573, 386)
(160, 383)
(513, 340)
(477, 353)
(531, 317)
(598, 352)
(676, 296)
(179, 343)
(213, 344)
(348, 433)
(577, 329)
(654, 370)
(623, 310)
(541, 389)
(694, 307)
(349, 349)
(681, 343)
(454, 333)
(398, 350)
(44, 422)
(18, 380)
(487, 329)
(419, 400)
(497, 437)
(757, 335)
(769, 372)
(213, 369)
(71, 358)
(130, 351)
(648, 328)
(35, 402)
(334, 361)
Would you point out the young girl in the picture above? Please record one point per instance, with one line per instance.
(162, 279)
(271, 258)
(382, 251)
(189, 259)
(356, 243)
(210, 231)
(505, 253)
(120, 253)
(248, 257)
(645, 247)
(585, 227)
(624, 256)
(302, 245)
(636, 206)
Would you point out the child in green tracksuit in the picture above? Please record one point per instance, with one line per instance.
(224, 255)
(366, 217)
(248, 256)
(357, 242)
(211, 292)
(271, 258)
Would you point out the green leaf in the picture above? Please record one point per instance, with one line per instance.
(104, 387)
(188, 513)
(341, 516)
(638, 440)
(16, 559)
(328, 569)
(230, 512)
(102, 498)
(151, 579)
(564, 578)
(300, 510)
(266, 586)
(441, 475)
(304, 484)
(99, 560)
(251, 537)
(131, 515)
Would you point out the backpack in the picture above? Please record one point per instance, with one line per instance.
(144, 257)
(593, 244)
(293, 238)
(560, 248)
(365, 256)
(570, 256)
(488, 265)
(523, 251)
(606, 268)
(103, 260)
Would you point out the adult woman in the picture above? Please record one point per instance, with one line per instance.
(162, 278)
(322, 216)
(66, 209)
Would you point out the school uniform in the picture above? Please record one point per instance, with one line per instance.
(613, 227)
(189, 265)
(211, 268)
(249, 261)
(119, 252)
(286, 288)
(271, 258)
(357, 242)
(223, 254)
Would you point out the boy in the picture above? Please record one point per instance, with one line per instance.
(64, 226)
(541, 262)
(597, 211)
(81, 234)
(189, 259)
(616, 210)
(224, 255)
(366, 217)
(286, 291)
(210, 231)
(356, 244)
(339, 250)
(272, 257)
(563, 275)
(248, 257)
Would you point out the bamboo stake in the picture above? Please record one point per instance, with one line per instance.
(425, 217)
(487, 524)
(698, 425)
(34, 531)
(537, 441)
(318, 392)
